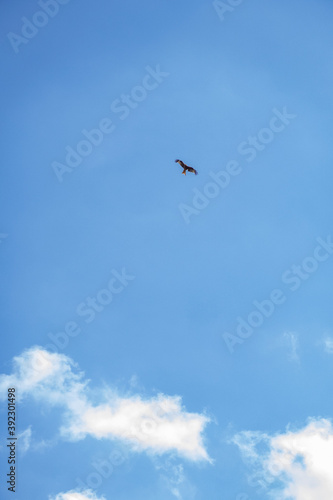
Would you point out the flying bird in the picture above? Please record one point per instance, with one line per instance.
(186, 167)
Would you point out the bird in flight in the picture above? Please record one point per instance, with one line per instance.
(186, 167)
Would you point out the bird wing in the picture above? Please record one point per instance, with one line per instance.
(190, 169)
(181, 163)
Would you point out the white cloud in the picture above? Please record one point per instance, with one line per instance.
(156, 425)
(76, 495)
(37, 371)
(296, 465)
(159, 424)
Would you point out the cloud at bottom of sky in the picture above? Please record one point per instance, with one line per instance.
(293, 465)
(76, 495)
(156, 425)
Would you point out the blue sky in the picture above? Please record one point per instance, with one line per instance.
(125, 282)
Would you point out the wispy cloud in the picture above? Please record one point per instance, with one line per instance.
(157, 425)
(292, 342)
(328, 345)
(293, 465)
(24, 440)
(173, 476)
